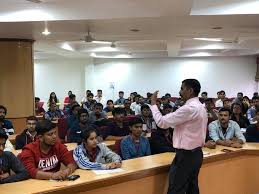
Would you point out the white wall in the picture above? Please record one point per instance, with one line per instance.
(232, 74)
(60, 76)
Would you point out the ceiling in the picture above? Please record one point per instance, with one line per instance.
(165, 28)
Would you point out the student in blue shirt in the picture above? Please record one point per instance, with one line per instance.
(73, 117)
(135, 145)
(225, 131)
(6, 125)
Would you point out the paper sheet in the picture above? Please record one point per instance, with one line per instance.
(100, 172)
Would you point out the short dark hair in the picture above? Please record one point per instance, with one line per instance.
(99, 90)
(206, 93)
(3, 107)
(144, 106)
(98, 104)
(222, 91)
(109, 101)
(87, 132)
(90, 94)
(32, 118)
(74, 106)
(81, 111)
(167, 106)
(71, 96)
(194, 84)
(121, 92)
(44, 126)
(208, 100)
(88, 91)
(168, 95)
(137, 96)
(37, 99)
(255, 98)
(163, 98)
(240, 93)
(117, 111)
(134, 121)
(126, 101)
(225, 110)
(226, 100)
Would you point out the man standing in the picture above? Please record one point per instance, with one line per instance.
(190, 125)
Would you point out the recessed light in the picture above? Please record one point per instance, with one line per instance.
(134, 30)
(210, 39)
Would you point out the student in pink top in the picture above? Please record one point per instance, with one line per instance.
(190, 125)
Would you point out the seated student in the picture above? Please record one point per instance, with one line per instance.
(121, 100)
(53, 113)
(82, 123)
(212, 114)
(226, 132)
(237, 115)
(43, 157)
(227, 103)
(99, 98)
(72, 101)
(135, 145)
(219, 102)
(93, 155)
(245, 105)
(252, 131)
(39, 110)
(127, 108)
(204, 96)
(73, 117)
(167, 109)
(161, 141)
(252, 109)
(66, 100)
(8, 162)
(149, 124)
(89, 103)
(109, 108)
(28, 135)
(6, 125)
(53, 99)
(136, 106)
(117, 129)
(97, 113)
(84, 99)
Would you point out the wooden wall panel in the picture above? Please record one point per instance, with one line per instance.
(16, 77)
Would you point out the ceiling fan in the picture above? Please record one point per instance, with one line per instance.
(90, 39)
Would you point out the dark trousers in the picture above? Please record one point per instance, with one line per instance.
(184, 171)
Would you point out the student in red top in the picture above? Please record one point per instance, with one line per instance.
(43, 157)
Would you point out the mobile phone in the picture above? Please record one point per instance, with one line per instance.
(73, 177)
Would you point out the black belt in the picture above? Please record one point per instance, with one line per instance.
(193, 150)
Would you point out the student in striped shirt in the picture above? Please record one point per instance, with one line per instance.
(91, 155)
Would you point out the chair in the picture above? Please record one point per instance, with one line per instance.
(62, 129)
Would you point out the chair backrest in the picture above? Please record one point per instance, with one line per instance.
(62, 129)
(117, 147)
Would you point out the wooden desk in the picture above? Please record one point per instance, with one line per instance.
(12, 138)
(235, 172)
